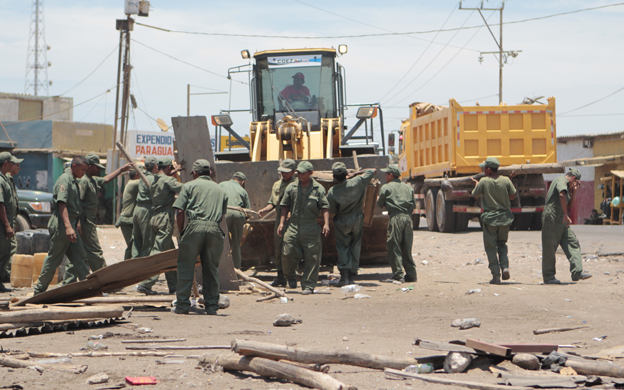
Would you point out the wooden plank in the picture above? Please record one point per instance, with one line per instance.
(113, 277)
(434, 379)
(193, 142)
(494, 349)
(151, 341)
(528, 348)
(551, 330)
(448, 347)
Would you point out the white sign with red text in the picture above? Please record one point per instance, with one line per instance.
(142, 144)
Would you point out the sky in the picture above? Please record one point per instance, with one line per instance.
(576, 58)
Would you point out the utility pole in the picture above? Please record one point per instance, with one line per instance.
(36, 60)
(502, 55)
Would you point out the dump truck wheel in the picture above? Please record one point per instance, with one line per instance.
(536, 222)
(523, 221)
(445, 216)
(461, 221)
(430, 209)
(415, 221)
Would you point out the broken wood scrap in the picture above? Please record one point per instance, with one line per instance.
(494, 349)
(309, 356)
(543, 381)
(259, 282)
(434, 379)
(143, 341)
(273, 369)
(528, 348)
(551, 330)
(448, 347)
(181, 348)
(15, 363)
(127, 299)
(95, 354)
(57, 313)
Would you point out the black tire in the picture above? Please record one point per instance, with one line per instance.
(536, 222)
(430, 209)
(445, 217)
(415, 221)
(461, 222)
(21, 223)
(522, 221)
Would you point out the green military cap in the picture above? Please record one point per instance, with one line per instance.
(201, 166)
(165, 161)
(150, 163)
(490, 162)
(239, 175)
(575, 172)
(94, 159)
(5, 157)
(16, 160)
(287, 165)
(393, 169)
(339, 168)
(305, 166)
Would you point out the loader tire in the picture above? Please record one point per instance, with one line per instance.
(430, 209)
(415, 221)
(445, 217)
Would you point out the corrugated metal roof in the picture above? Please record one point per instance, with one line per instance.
(618, 134)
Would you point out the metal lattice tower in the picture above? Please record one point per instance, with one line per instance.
(37, 60)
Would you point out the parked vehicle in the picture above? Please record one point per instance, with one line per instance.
(441, 147)
(35, 210)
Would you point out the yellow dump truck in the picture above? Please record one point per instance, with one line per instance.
(440, 150)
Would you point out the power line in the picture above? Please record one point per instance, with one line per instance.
(419, 57)
(373, 35)
(571, 116)
(187, 63)
(90, 74)
(449, 61)
(472, 100)
(594, 102)
(434, 58)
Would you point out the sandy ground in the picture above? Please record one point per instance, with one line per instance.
(387, 323)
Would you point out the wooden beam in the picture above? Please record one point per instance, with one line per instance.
(58, 313)
(528, 348)
(551, 330)
(272, 369)
(471, 385)
(494, 349)
(448, 347)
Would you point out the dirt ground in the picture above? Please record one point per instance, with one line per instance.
(386, 323)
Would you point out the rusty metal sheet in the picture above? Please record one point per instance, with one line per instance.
(193, 142)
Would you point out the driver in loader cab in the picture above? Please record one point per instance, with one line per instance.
(297, 95)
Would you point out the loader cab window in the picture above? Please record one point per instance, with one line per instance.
(296, 83)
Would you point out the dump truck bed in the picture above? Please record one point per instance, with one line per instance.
(456, 139)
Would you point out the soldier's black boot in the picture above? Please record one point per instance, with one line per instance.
(344, 278)
(280, 281)
(351, 275)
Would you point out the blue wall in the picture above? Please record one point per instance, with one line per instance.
(29, 135)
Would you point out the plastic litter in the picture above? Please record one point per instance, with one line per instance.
(144, 330)
(350, 288)
(474, 290)
(283, 300)
(424, 368)
(361, 296)
(96, 345)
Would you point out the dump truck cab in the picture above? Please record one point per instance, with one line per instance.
(298, 104)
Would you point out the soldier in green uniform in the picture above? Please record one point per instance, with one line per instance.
(304, 199)
(398, 199)
(65, 226)
(345, 202)
(205, 204)
(237, 197)
(497, 191)
(8, 213)
(127, 211)
(556, 228)
(164, 189)
(90, 186)
(287, 171)
(142, 241)
(14, 171)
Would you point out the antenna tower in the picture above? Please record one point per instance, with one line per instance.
(36, 61)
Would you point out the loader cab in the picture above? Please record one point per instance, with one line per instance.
(306, 82)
